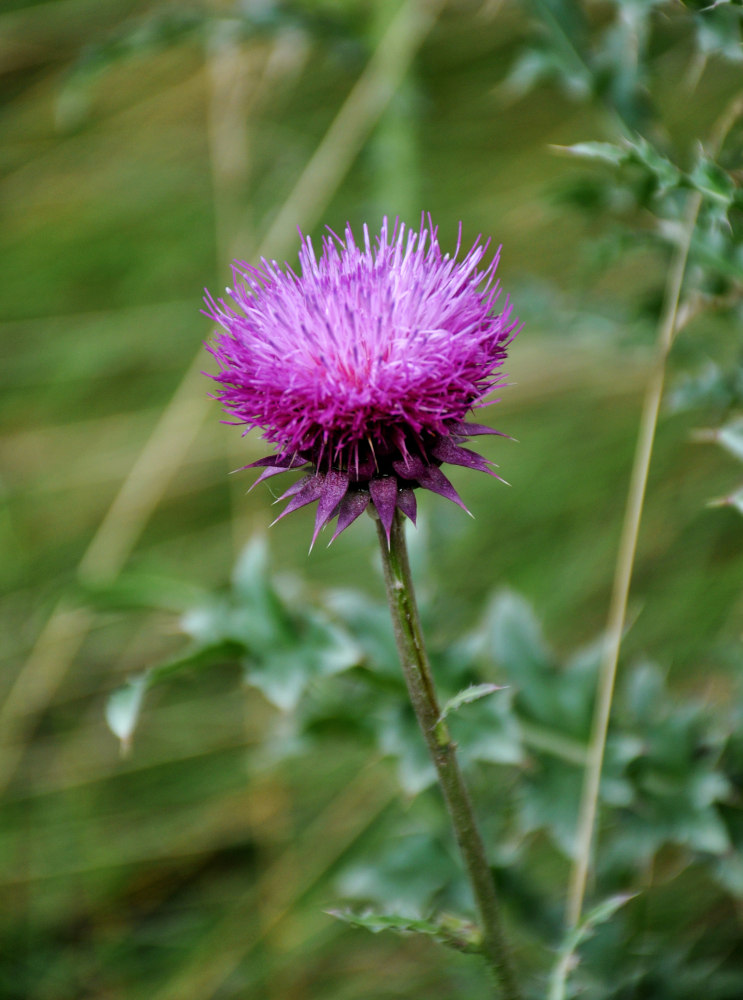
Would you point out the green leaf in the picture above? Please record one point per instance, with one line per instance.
(713, 249)
(563, 50)
(719, 29)
(639, 154)
(473, 693)
(490, 732)
(220, 619)
(405, 877)
(714, 183)
(644, 690)
(284, 672)
(550, 799)
(369, 623)
(566, 960)
(518, 647)
(398, 736)
(252, 585)
(576, 689)
(447, 928)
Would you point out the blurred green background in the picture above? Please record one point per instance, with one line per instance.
(143, 146)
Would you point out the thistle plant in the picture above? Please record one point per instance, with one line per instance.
(362, 368)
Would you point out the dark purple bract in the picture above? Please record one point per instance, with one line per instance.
(363, 366)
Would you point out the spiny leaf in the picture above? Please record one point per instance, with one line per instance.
(447, 929)
(473, 693)
(566, 961)
(640, 153)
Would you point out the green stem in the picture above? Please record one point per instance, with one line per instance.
(419, 680)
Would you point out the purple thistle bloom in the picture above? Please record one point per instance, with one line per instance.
(363, 367)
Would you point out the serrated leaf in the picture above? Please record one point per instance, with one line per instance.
(518, 647)
(473, 693)
(566, 960)
(407, 874)
(376, 922)
(370, 625)
(489, 732)
(640, 154)
(447, 929)
(714, 183)
(713, 249)
(284, 672)
(719, 29)
(221, 620)
(549, 801)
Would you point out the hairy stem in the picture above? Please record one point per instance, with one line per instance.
(419, 681)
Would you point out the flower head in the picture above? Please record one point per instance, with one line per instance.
(363, 367)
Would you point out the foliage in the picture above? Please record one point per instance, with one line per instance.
(670, 792)
(670, 797)
(643, 195)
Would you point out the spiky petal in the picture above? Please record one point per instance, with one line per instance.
(363, 366)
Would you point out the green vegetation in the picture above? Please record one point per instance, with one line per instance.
(143, 146)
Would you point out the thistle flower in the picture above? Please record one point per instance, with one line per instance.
(363, 367)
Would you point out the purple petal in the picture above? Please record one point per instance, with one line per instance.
(309, 492)
(407, 503)
(305, 357)
(434, 480)
(266, 474)
(384, 494)
(447, 451)
(333, 491)
(352, 506)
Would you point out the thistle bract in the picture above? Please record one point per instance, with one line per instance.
(363, 366)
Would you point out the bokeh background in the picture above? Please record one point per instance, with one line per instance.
(143, 146)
